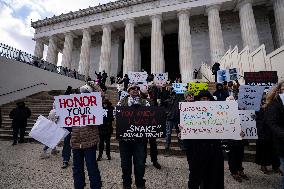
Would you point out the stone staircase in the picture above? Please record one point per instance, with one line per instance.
(41, 104)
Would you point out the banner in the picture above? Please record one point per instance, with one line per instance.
(249, 97)
(140, 122)
(79, 109)
(248, 124)
(138, 77)
(262, 78)
(196, 87)
(210, 120)
(160, 78)
(47, 132)
(179, 88)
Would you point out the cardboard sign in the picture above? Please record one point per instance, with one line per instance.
(210, 120)
(227, 75)
(179, 88)
(248, 124)
(123, 94)
(249, 97)
(143, 87)
(79, 109)
(262, 78)
(140, 122)
(160, 78)
(138, 77)
(195, 88)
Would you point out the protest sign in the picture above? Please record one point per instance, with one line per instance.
(160, 78)
(138, 77)
(262, 78)
(179, 88)
(221, 76)
(47, 132)
(233, 74)
(195, 88)
(143, 87)
(79, 109)
(140, 122)
(248, 124)
(249, 97)
(210, 120)
(227, 75)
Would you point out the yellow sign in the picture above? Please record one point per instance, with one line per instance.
(196, 87)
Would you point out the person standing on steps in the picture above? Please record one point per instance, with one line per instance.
(19, 116)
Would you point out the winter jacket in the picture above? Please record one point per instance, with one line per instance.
(84, 137)
(20, 114)
(221, 94)
(275, 120)
(106, 128)
(263, 130)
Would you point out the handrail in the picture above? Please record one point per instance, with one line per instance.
(21, 56)
(18, 90)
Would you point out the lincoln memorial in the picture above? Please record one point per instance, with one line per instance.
(158, 36)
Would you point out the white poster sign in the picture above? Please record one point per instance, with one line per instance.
(227, 75)
(123, 94)
(143, 87)
(47, 132)
(179, 88)
(248, 124)
(79, 109)
(160, 78)
(249, 97)
(138, 77)
(210, 120)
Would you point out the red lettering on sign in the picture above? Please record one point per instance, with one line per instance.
(68, 121)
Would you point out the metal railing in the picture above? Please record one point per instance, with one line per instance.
(21, 56)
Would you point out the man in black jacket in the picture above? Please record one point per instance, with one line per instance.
(20, 114)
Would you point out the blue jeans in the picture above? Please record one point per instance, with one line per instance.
(169, 127)
(282, 169)
(66, 151)
(89, 154)
(132, 151)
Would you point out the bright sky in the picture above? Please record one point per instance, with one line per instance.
(16, 16)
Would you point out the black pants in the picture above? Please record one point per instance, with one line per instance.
(206, 166)
(153, 150)
(104, 139)
(235, 157)
(16, 131)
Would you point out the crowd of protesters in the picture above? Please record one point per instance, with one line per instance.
(205, 157)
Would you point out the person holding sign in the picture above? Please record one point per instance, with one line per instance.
(275, 120)
(84, 141)
(206, 162)
(132, 150)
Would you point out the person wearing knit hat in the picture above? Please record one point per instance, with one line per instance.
(205, 95)
(188, 96)
(133, 86)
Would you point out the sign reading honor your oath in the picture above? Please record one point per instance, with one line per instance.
(140, 122)
(79, 109)
(210, 120)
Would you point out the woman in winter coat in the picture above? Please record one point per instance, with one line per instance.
(275, 120)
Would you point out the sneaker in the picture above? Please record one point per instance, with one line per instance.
(243, 175)
(157, 165)
(65, 165)
(237, 177)
(44, 155)
(99, 158)
(108, 158)
(14, 143)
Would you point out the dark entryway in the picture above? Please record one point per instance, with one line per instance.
(171, 54)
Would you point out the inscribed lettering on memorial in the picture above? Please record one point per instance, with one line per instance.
(209, 120)
(79, 109)
(140, 122)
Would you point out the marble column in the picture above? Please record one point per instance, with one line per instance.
(52, 50)
(215, 33)
(278, 6)
(84, 63)
(39, 48)
(157, 58)
(67, 50)
(128, 59)
(248, 26)
(185, 47)
(105, 57)
(137, 52)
